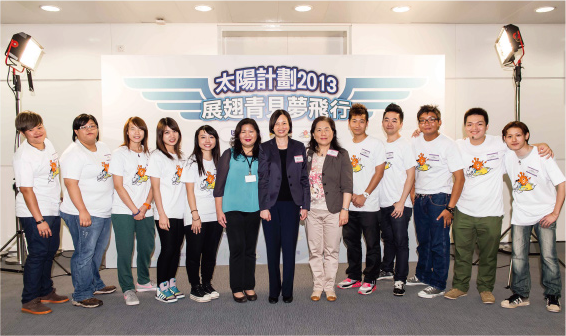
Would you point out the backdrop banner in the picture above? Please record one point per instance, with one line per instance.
(221, 90)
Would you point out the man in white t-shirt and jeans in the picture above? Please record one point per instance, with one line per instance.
(538, 195)
(438, 161)
(367, 156)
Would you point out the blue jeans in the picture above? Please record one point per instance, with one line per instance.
(521, 276)
(37, 269)
(433, 238)
(90, 244)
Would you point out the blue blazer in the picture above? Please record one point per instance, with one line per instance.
(269, 171)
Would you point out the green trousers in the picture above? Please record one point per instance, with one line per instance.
(126, 229)
(467, 231)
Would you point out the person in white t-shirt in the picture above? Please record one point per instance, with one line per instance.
(367, 156)
(132, 216)
(538, 195)
(438, 161)
(36, 170)
(86, 208)
(202, 230)
(165, 168)
(395, 203)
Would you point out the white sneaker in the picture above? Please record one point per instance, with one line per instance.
(414, 281)
(131, 298)
(150, 286)
(431, 292)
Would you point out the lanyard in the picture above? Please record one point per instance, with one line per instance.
(249, 163)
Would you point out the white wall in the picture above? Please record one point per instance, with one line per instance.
(68, 79)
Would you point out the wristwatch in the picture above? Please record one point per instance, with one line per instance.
(40, 221)
(345, 209)
(451, 210)
(366, 195)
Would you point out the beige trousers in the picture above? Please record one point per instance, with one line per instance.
(323, 237)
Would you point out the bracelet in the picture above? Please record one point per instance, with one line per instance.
(194, 220)
(449, 209)
(345, 209)
(40, 221)
(148, 206)
(134, 215)
(194, 210)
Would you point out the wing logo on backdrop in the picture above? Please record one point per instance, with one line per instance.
(256, 92)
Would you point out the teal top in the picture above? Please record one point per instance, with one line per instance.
(240, 195)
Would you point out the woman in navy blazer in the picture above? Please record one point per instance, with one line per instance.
(284, 199)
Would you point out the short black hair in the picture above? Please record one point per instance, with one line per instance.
(358, 109)
(394, 108)
(27, 120)
(81, 120)
(516, 124)
(476, 111)
(276, 116)
(429, 109)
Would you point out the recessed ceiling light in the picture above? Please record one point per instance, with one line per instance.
(545, 9)
(401, 9)
(303, 8)
(203, 8)
(50, 8)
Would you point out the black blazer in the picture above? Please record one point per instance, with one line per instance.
(269, 171)
(337, 178)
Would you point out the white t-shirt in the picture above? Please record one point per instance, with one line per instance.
(173, 192)
(132, 167)
(482, 195)
(399, 157)
(533, 181)
(203, 188)
(95, 181)
(38, 169)
(436, 160)
(365, 156)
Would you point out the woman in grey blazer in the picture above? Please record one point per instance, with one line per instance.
(331, 186)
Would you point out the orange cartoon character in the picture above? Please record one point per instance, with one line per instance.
(54, 170)
(210, 180)
(477, 168)
(422, 166)
(177, 178)
(356, 164)
(104, 174)
(523, 184)
(140, 176)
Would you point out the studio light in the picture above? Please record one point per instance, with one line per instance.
(545, 9)
(24, 50)
(510, 51)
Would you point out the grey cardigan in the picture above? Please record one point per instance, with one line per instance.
(337, 178)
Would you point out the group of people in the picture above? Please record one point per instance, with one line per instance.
(358, 188)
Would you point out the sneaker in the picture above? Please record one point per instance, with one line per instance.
(173, 288)
(131, 298)
(199, 295)
(150, 286)
(487, 297)
(384, 275)
(553, 304)
(349, 283)
(164, 294)
(210, 291)
(399, 288)
(37, 308)
(88, 303)
(454, 293)
(54, 298)
(414, 281)
(105, 290)
(367, 288)
(515, 301)
(431, 292)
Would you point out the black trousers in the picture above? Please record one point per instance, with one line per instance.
(171, 242)
(242, 230)
(366, 223)
(281, 235)
(201, 252)
(394, 232)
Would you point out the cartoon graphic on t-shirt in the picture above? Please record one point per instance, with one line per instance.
(305, 134)
(54, 170)
(104, 174)
(140, 176)
(388, 165)
(177, 178)
(422, 166)
(477, 168)
(522, 183)
(356, 164)
(209, 182)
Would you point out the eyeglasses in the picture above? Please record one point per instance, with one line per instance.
(429, 120)
(88, 127)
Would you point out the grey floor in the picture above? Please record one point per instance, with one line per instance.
(352, 314)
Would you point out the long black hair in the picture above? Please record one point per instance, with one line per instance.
(313, 145)
(197, 151)
(81, 120)
(164, 122)
(237, 144)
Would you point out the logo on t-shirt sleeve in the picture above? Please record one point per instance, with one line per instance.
(104, 174)
(177, 177)
(140, 176)
(53, 171)
(208, 182)
(477, 168)
(522, 183)
(421, 163)
(356, 164)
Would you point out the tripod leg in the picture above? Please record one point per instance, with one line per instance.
(61, 266)
(509, 276)
(8, 243)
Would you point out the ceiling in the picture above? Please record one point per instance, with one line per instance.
(250, 12)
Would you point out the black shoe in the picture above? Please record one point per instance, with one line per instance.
(207, 287)
(199, 295)
(553, 304)
(252, 297)
(399, 288)
(288, 299)
(273, 300)
(240, 299)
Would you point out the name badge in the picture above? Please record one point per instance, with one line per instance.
(250, 178)
(298, 158)
(332, 152)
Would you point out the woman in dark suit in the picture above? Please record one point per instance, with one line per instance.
(284, 199)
